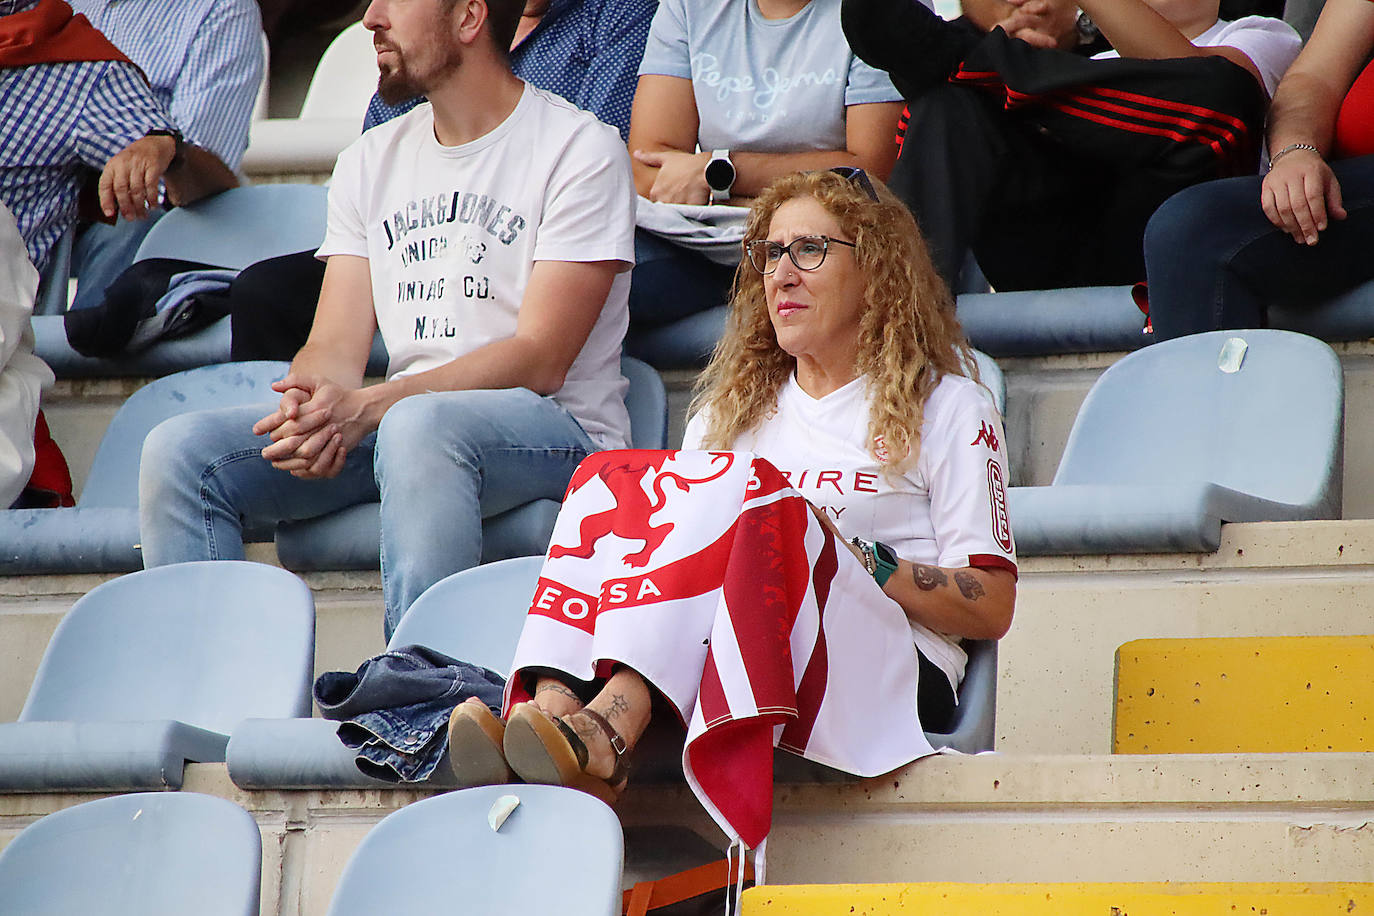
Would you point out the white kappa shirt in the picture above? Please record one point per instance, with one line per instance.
(948, 509)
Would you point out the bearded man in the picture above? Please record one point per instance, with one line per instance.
(488, 233)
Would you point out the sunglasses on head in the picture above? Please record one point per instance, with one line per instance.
(858, 176)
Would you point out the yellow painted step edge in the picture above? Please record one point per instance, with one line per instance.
(1070, 899)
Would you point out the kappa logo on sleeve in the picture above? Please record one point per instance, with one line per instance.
(985, 436)
(997, 497)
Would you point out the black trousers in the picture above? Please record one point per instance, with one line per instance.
(272, 305)
(1048, 165)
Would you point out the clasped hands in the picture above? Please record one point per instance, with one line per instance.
(314, 427)
(1043, 23)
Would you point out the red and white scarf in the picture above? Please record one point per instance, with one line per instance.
(710, 576)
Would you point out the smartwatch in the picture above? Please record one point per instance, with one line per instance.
(177, 138)
(879, 560)
(720, 176)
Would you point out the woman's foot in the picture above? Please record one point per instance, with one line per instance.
(476, 739)
(555, 698)
(552, 751)
(601, 741)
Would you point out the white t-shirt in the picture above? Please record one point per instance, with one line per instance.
(1271, 44)
(452, 233)
(948, 509)
(763, 85)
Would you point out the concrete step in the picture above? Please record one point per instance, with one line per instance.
(1055, 666)
(986, 819)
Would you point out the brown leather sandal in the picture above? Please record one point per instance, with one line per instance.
(548, 751)
(475, 738)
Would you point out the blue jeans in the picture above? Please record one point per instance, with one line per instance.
(439, 463)
(396, 707)
(1215, 261)
(671, 282)
(102, 252)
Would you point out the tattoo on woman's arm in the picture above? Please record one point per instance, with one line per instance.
(928, 577)
(559, 688)
(969, 586)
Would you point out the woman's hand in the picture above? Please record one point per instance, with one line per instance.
(824, 518)
(681, 177)
(1300, 193)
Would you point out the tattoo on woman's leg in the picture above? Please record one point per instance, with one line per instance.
(618, 705)
(928, 577)
(969, 586)
(585, 728)
(558, 688)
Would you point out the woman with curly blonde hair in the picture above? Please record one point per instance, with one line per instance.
(903, 347)
(842, 376)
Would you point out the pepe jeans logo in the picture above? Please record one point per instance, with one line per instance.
(762, 93)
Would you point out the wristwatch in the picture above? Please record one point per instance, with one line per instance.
(878, 559)
(177, 138)
(720, 176)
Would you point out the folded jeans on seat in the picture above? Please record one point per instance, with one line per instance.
(395, 707)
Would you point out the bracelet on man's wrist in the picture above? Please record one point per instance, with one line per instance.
(178, 144)
(1292, 148)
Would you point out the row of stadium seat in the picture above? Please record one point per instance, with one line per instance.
(164, 853)
(1171, 442)
(211, 661)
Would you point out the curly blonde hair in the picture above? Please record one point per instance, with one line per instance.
(908, 335)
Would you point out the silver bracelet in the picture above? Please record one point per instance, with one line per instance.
(1292, 147)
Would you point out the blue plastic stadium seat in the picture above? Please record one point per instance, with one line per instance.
(1168, 445)
(241, 226)
(232, 229)
(1105, 319)
(135, 855)
(156, 668)
(100, 534)
(441, 853)
(52, 291)
(475, 615)
(351, 538)
(990, 374)
(1088, 319)
(206, 347)
(1349, 316)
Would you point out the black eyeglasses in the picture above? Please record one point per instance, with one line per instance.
(806, 251)
(859, 177)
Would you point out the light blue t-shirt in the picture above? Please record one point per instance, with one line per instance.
(763, 85)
